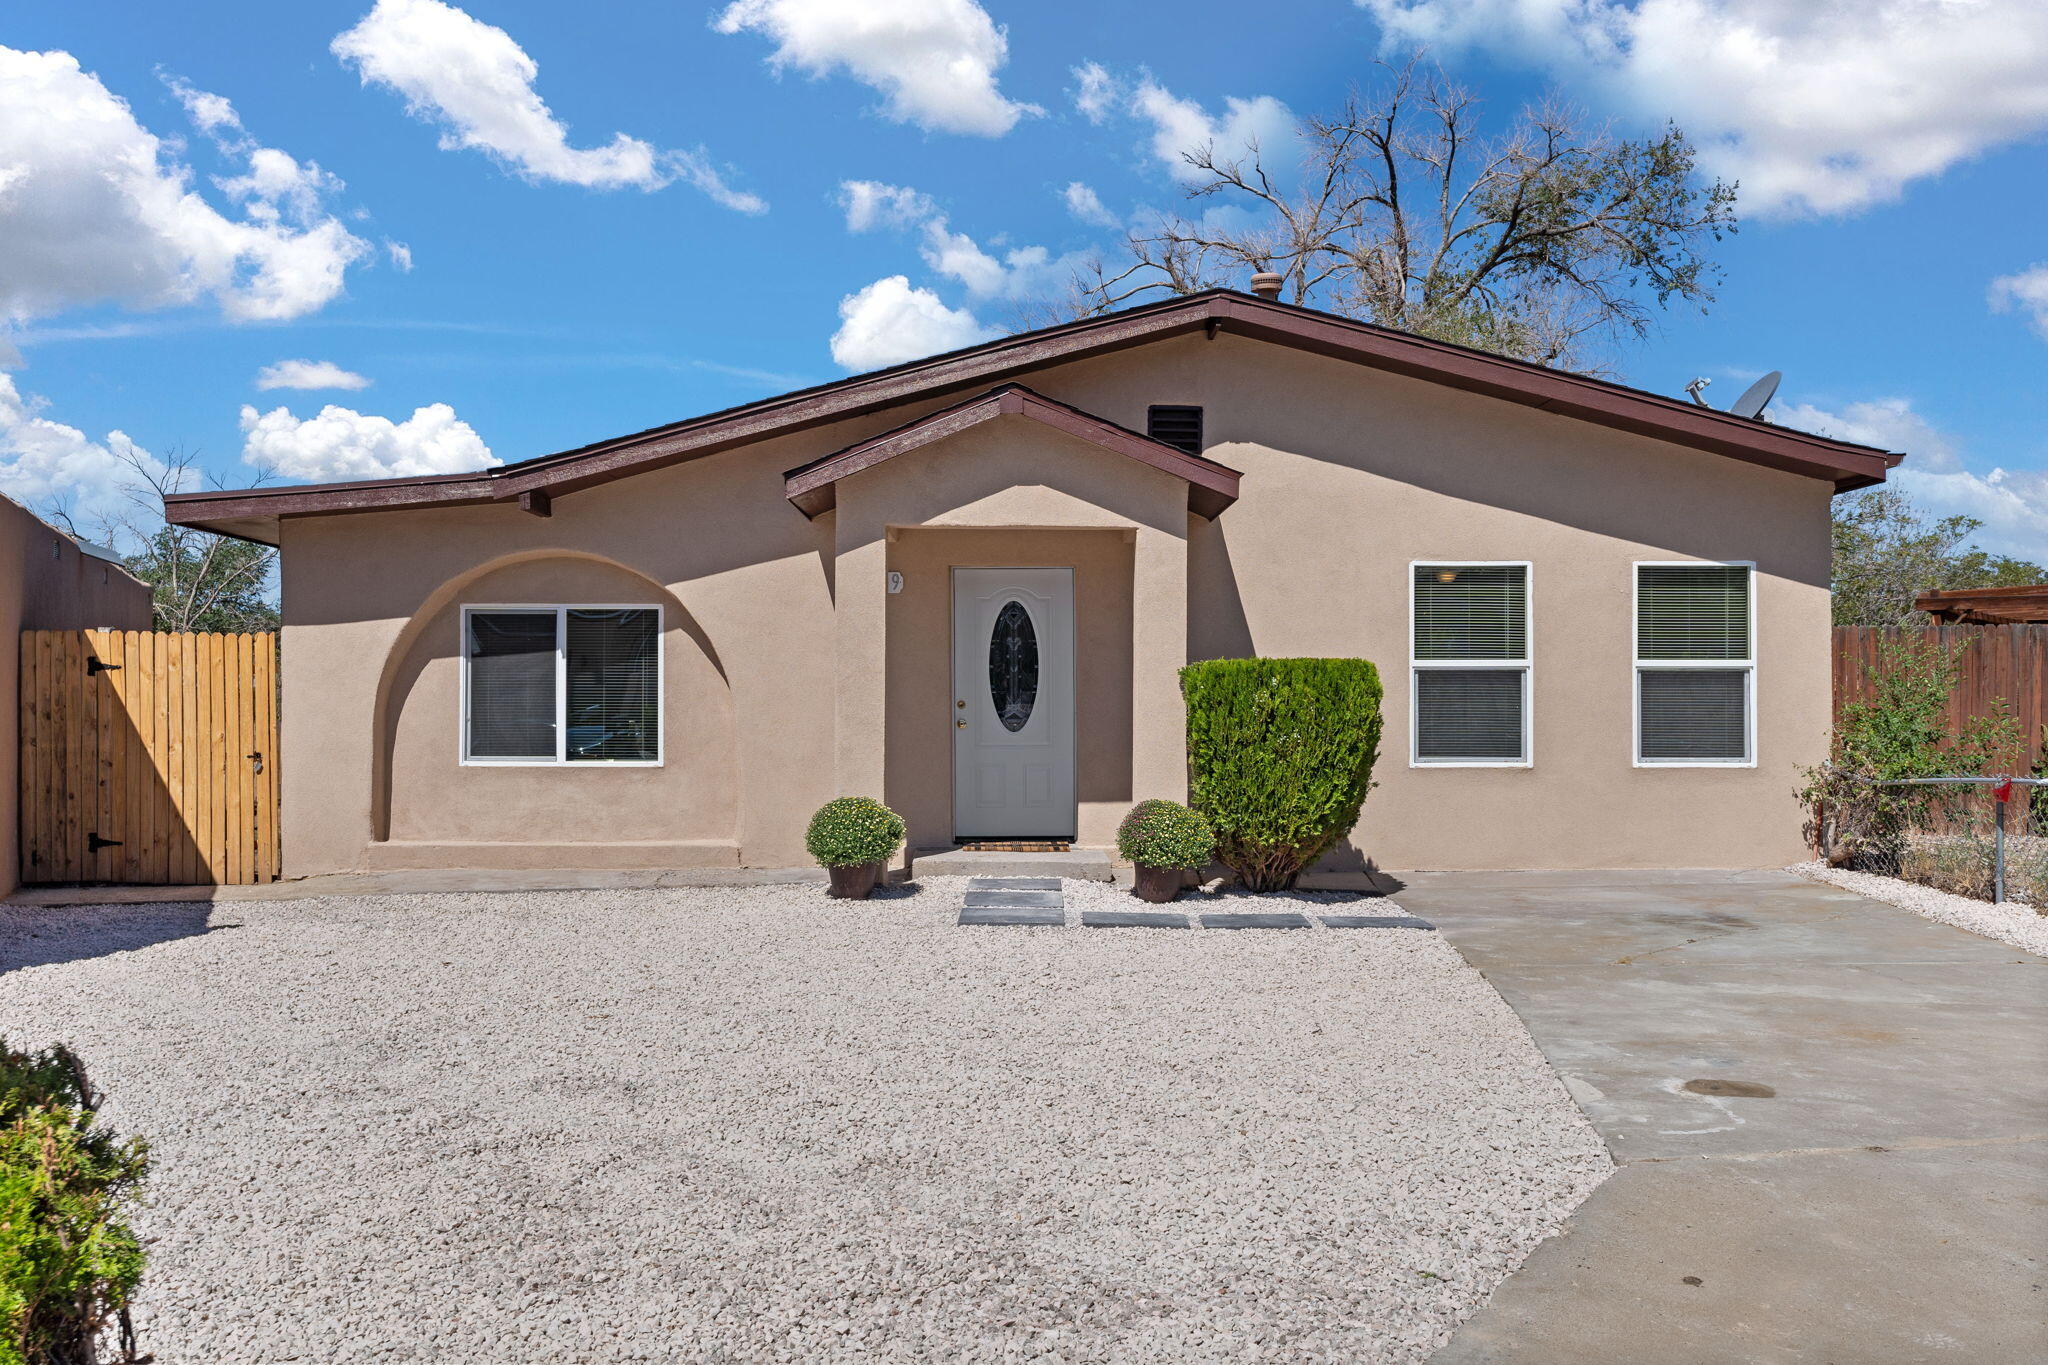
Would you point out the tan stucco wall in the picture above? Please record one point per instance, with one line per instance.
(46, 583)
(1349, 475)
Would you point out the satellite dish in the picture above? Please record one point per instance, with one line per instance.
(1757, 396)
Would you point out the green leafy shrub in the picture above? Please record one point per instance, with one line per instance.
(68, 1261)
(1899, 730)
(853, 830)
(1165, 834)
(1281, 754)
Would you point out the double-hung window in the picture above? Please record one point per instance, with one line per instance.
(1695, 665)
(561, 685)
(1469, 664)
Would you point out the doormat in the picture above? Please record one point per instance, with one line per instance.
(1016, 846)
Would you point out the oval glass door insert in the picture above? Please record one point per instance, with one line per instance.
(1013, 666)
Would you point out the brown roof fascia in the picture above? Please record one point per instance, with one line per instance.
(1593, 400)
(1844, 464)
(813, 487)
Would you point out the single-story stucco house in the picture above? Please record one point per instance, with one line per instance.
(966, 585)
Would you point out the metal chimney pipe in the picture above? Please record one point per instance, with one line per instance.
(1266, 284)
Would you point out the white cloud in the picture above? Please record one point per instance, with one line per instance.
(1020, 272)
(2012, 503)
(2028, 292)
(1181, 126)
(478, 82)
(1889, 423)
(1087, 206)
(47, 464)
(889, 322)
(343, 444)
(401, 256)
(309, 374)
(211, 114)
(1099, 92)
(1823, 108)
(95, 209)
(870, 204)
(934, 61)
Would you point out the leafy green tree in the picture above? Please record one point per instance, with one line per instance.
(1887, 551)
(197, 580)
(1539, 243)
(200, 581)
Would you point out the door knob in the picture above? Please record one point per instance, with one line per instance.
(961, 704)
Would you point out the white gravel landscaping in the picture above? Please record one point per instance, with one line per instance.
(2007, 921)
(754, 1125)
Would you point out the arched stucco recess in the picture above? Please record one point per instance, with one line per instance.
(676, 617)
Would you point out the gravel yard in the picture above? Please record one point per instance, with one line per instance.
(2008, 921)
(754, 1125)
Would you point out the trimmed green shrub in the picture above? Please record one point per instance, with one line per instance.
(853, 830)
(1165, 834)
(68, 1261)
(1280, 753)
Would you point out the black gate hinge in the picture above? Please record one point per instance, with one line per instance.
(93, 842)
(98, 665)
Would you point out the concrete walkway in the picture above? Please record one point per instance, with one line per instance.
(1831, 1118)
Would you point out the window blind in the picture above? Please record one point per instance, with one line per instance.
(512, 684)
(1692, 612)
(614, 702)
(1469, 715)
(1471, 612)
(1697, 715)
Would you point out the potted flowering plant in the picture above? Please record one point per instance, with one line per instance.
(1164, 840)
(852, 838)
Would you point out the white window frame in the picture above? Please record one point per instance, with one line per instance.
(1526, 665)
(1746, 666)
(561, 758)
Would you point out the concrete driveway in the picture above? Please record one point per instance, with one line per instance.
(1831, 1118)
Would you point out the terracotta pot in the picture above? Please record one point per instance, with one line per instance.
(855, 882)
(1159, 884)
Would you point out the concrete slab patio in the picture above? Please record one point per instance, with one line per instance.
(1886, 1202)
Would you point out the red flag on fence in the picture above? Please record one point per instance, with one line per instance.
(2003, 791)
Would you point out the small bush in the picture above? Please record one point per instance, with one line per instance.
(1901, 730)
(1281, 754)
(853, 830)
(68, 1261)
(1165, 834)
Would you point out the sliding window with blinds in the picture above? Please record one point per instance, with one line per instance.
(546, 685)
(1469, 664)
(1695, 665)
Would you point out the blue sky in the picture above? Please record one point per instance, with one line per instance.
(534, 225)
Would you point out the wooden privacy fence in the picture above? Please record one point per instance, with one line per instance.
(2006, 664)
(148, 757)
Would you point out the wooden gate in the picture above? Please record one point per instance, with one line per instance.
(148, 757)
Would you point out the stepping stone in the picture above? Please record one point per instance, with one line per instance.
(1375, 922)
(1028, 916)
(1013, 883)
(1016, 899)
(1133, 919)
(1285, 920)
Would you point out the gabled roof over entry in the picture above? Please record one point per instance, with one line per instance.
(254, 513)
(813, 487)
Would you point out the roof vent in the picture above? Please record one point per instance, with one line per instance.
(1175, 425)
(1266, 284)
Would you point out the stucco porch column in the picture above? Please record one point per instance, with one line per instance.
(1159, 648)
(860, 621)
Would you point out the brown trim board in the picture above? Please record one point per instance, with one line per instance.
(1844, 464)
(813, 487)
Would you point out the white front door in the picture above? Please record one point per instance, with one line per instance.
(1013, 703)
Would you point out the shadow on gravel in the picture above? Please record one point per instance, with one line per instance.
(38, 936)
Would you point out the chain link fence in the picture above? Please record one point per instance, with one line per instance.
(1981, 837)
